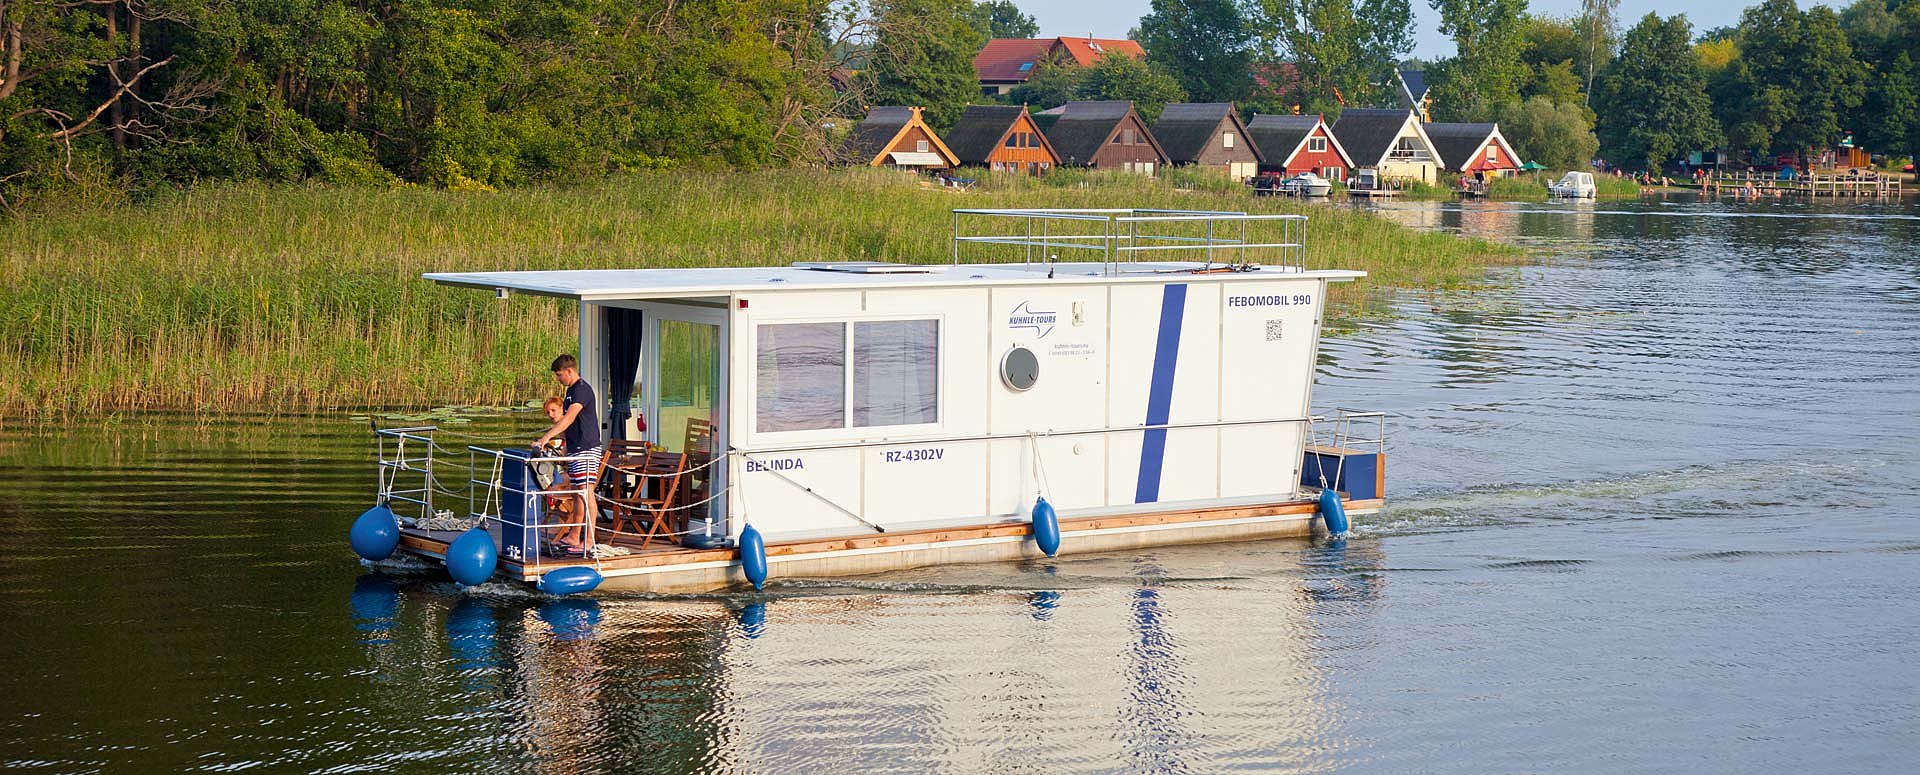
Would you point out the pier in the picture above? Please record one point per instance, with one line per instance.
(1837, 184)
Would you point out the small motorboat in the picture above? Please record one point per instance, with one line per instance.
(1307, 184)
(1573, 185)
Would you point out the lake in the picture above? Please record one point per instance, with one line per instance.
(1655, 508)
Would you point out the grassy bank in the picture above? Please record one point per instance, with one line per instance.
(276, 299)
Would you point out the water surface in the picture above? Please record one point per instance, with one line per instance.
(1654, 511)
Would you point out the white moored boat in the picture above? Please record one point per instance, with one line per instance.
(830, 419)
(1574, 185)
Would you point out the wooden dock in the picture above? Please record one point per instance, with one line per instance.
(1835, 184)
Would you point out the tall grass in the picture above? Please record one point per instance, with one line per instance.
(266, 298)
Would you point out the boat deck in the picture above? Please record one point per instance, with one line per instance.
(1079, 534)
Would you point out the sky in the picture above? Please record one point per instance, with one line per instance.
(1112, 18)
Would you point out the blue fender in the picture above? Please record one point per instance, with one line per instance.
(375, 534)
(1332, 511)
(753, 557)
(1046, 527)
(568, 580)
(472, 558)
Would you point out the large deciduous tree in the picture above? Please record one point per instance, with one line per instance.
(1486, 69)
(1205, 45)
(1653, 103)
(1558, 135)
(1321, 54)
(1599, 30)
(1797, 77)
(1003, 19)
(1115, 76)
(923, 56)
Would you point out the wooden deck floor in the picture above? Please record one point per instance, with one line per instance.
(434, 543)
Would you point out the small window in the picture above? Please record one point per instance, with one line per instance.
(896, 372)
(1025, 66)
(1317, 145)
(1013, 140)
(1226, 139)
(1493, 153)
(801, 377)
(922, 146)
(1128, 135)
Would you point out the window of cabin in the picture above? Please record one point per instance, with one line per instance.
(1226, 139)
(800, 375)
(896, 372)
(1128, 135)
(1493, 153)
(803, 372)
(922, 146)
(1317, 145)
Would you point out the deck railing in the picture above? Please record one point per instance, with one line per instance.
(413, 450)
(1123, 240)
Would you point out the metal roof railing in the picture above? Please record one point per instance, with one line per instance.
(1123, 239)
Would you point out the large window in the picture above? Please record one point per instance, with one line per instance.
(896, 372)
(804, 371)
(801, 377)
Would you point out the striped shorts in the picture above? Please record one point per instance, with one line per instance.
(584, 466)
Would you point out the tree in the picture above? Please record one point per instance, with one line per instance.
(1115, 76)
(1799, 78)
(1892, 109)
(1486, 69)
(1386, 37)
(1204, 44)
(1321, 54)
(1551, 48)
(1053, 83)
(1598, 29)
(1653, 103)
(1003, 19)
(131, 94)
(923, 56)
(1557, 135)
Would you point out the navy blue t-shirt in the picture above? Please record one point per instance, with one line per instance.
(584, 433)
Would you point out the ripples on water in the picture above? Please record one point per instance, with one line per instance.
(1654, 512)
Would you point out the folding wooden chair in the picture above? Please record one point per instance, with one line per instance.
(699, 449)
(661, 488)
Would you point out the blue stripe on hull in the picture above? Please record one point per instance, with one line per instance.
(1166, 354)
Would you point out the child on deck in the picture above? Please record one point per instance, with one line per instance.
(564, 510)
(578, 426)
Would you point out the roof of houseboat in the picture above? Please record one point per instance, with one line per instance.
(608, 284)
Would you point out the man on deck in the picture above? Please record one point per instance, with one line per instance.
(579, 432)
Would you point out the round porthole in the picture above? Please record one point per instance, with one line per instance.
(1020, 369)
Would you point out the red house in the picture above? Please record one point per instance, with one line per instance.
(1005, 63)
(1471, 149)
(1295, 144)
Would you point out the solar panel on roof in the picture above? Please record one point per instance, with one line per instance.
(866, 267)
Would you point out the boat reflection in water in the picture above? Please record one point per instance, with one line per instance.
(818, 677)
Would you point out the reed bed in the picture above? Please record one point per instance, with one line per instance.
(266, 299)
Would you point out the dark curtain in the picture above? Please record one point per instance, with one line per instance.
(623, 358)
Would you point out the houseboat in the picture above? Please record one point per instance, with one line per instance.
(1066, 382)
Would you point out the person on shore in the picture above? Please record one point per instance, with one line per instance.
(578, 429)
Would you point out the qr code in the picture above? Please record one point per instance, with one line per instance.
(1273, 330)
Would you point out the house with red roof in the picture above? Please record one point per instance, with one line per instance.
(1008, 62)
